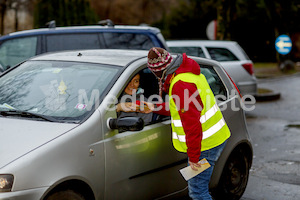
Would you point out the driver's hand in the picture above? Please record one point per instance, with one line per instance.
(148, 107)
(127, 107)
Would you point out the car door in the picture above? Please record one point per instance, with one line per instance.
(142, 164)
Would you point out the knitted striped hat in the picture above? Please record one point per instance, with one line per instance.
(158, 59)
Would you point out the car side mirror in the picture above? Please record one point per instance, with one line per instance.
(126, 123)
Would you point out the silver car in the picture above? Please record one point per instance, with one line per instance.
(229, 53)
(61, 138)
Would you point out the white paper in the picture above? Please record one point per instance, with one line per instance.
(189, 173)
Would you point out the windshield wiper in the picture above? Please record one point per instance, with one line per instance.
(26, 114)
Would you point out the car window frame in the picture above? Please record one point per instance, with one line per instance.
(155, 119)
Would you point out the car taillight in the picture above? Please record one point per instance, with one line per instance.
(249, 68)
(234, 84)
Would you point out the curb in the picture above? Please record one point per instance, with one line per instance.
(266, 95)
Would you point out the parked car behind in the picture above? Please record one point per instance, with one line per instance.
(18, 46)
(60, 132)
(229, 53)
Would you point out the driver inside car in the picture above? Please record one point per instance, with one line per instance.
(130, 101)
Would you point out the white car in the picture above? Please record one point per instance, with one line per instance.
(229, 53)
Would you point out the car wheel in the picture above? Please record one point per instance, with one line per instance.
(234, 177)
(65, 195)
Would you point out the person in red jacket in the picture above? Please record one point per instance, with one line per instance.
(168, 70)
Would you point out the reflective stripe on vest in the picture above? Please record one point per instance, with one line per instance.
(214, 127)
(212, 130)
(203, 119)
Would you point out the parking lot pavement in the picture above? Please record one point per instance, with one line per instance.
(265, 189)
(274, 128)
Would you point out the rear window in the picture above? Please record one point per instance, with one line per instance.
(221, 54)
(191, 51)
(214, 81)
(127, 41)
(72, 42)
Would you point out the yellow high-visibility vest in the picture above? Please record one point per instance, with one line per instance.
(214, 128)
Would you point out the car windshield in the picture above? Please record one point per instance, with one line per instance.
(65, 91)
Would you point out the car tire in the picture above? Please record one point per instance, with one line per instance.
(234, 177)
(65, 195)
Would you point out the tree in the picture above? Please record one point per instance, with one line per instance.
(3, 7)
(15, 5)
(226, 14)
(284, 17)
(64, 12)
(133, 12)
(188, 19)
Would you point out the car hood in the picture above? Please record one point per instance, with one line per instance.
(19, 136)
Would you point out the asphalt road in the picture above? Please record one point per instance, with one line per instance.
(274, 127)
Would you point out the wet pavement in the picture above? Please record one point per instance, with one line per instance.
(274, 127)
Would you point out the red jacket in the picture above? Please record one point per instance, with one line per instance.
(191, 117)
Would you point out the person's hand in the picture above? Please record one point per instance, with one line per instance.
(194, 166)
(148, 107)
(127, 107)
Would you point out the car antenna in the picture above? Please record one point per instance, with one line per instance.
(107, 22)
(51, 24)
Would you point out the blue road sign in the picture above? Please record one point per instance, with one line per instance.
(283, 44)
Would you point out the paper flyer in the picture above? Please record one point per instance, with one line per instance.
(189, 173)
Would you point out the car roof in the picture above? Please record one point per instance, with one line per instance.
(201, 42)
(103, 56)
(81, 29)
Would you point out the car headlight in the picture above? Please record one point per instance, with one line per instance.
(6, 182)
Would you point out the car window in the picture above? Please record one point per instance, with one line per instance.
(221, 54)
(66, 91)
(16, 50)
(149, 91)
(214, 81)
(191, 51)
(127, 41)
(72, 42)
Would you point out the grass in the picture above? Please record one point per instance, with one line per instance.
(265, 65)
(267, 70)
